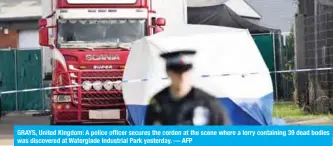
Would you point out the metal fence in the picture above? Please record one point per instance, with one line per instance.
(21, 69)
(285, 61)
(266, 45)
(315, 50)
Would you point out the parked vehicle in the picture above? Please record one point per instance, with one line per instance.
(89, 42)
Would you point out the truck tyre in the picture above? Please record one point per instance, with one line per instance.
(52, 122)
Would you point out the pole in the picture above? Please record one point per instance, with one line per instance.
(16, 79)
(42, 77)
(316, 47)
(275, 66)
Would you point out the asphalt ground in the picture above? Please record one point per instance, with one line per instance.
(7, 126)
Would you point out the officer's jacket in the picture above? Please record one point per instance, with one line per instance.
(197, 108)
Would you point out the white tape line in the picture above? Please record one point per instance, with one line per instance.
(145, 80)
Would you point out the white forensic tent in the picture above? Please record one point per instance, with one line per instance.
(248, 98)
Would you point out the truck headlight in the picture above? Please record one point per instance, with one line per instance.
(98, 85)
(86, 85)
(118, 85)
(108, 85)
(64, 98)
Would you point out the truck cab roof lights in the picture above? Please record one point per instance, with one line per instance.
(91, 11)
(107, 13)
(100, 21)
(101, 1)
(101, 11)
(63, 11)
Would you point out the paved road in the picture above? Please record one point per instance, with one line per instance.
(8, 122)
(7, 126)
(319, 121)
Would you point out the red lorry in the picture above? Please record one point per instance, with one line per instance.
(90, 41)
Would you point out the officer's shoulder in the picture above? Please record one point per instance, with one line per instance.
(157, 97)
(160, 94)
(202, 94)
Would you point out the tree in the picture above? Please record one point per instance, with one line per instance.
(290, 54)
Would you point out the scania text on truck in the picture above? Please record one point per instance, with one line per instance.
(89, 42)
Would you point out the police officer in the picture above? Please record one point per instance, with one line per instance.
(181, 103)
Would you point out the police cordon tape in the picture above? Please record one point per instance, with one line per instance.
(165, 78)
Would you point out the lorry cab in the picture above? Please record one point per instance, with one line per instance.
(90, 41)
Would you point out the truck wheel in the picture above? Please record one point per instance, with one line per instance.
(52, 121)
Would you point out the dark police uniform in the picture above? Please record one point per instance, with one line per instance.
(196, 108)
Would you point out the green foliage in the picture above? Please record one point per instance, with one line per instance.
(289, 57)
(289, 111)
(290, 45)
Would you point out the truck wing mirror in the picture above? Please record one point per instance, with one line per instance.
(43, 33)
(42, 23)
(44, 36)
(160, 22)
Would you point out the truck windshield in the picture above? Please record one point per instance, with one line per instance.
(99, 33)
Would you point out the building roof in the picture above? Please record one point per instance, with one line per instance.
(242, 8)
(11, 10)
(222, 15)
(204, 3)
(277, 14)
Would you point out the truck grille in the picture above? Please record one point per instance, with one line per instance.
(102, 98)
